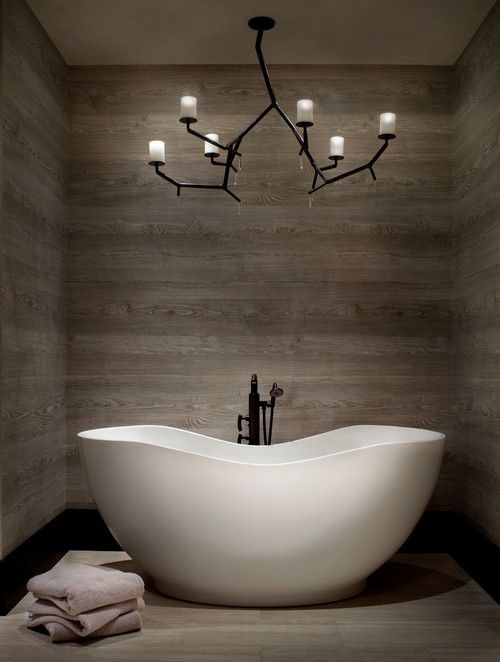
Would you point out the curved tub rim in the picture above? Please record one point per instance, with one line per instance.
(91, 434)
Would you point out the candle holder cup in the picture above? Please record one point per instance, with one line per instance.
(386, 136)
(156, 164)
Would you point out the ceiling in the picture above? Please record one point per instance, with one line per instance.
(215, 31)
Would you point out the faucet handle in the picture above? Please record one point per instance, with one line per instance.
(240, 421)
(240, 437)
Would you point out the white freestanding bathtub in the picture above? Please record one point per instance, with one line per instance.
(296, 523)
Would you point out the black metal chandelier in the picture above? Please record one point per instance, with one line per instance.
(231, 149)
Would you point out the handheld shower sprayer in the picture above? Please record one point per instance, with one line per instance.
(275, 392)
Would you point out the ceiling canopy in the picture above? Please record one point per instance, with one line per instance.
(215, 31)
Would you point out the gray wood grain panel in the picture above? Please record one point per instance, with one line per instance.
(33, 271)
(476, 295)
(347, 304)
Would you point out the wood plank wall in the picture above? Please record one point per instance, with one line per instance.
(33, 263)
(476, 309)
(346, 305)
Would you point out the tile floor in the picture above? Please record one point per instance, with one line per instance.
(416, 608)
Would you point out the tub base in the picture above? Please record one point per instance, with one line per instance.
(341, 593)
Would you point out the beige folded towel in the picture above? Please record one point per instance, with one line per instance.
(62, 631)
(84, 624)
(78, 587)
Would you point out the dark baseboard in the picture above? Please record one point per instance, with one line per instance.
(447, 532)
(437, 532)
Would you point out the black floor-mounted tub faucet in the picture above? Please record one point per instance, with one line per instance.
(255, 404)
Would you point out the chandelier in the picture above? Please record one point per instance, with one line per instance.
(232, 154)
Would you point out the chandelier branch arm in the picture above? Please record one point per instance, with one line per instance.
(240, 137)
(304, 149)
(164, 176)
(226, 148)
(229, 164)
(222, 163)
(335, 163)
(180, 185)
(367, 166)
(303, 141)
(305, 138)
(263, 67)
(229, 192)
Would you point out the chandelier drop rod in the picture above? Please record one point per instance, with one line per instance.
(304, 121)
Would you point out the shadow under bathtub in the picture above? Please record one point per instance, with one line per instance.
(402, 579)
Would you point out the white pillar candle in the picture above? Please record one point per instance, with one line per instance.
(209, 148)
(387, 123)
(188, 107)
(157, 150)
(305, 110)
(336, 146)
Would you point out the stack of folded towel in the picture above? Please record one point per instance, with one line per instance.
(76, 600)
